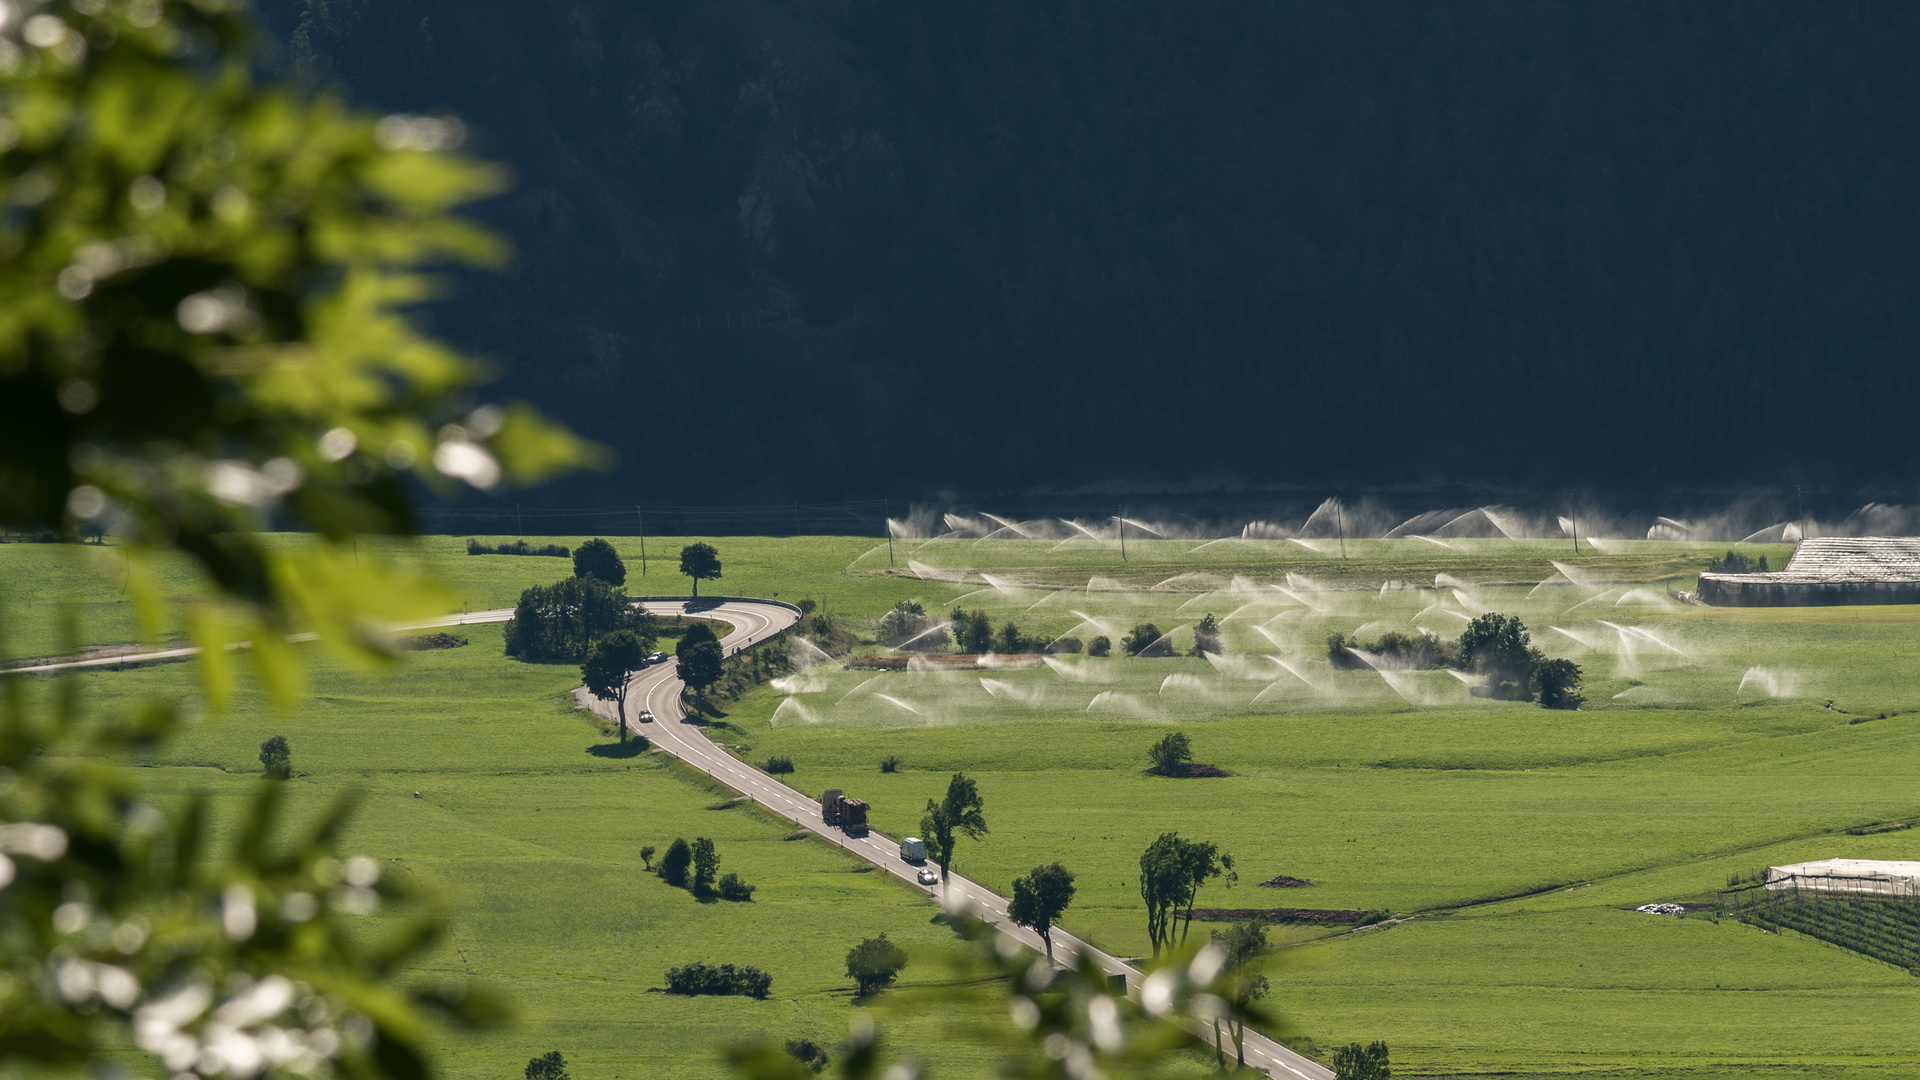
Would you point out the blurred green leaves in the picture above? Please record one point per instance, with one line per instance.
(205, 331)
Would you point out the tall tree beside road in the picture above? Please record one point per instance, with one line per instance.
(1040, 898)
(700, 665)
(701, 563)
(1245, 943)
(597, 557)
(960, 811)
(610, 664)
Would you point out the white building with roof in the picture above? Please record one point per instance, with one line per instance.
(1848, 876)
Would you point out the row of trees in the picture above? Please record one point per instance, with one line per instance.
(1496, 647)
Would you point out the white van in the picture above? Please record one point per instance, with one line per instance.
(913, 850)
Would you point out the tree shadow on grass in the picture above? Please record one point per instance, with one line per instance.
(633, 747)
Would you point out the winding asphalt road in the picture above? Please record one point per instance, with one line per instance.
(657, 689)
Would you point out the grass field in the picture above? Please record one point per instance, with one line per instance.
(1707, 747)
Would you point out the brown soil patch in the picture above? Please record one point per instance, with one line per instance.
(427, 642)
(944, 662)
(1192, 770)
(1285, 882)
(1310, 916)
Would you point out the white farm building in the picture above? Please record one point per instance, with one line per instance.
(1827, 570)
(1848, 876)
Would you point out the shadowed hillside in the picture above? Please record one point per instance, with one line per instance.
(998, 245)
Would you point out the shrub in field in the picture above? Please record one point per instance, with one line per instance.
(1736, 563)
(1146, 640)
(1559, 684)
(517, 547)
(1356, 1062)
(1099, 646)
(875, 963)
(1499, 648)
(277, 757)
(1068, 645)
(808, 1053)
(732, 888)
(706, 864)
(972, 632)
(890, 763)
(675, 863)
(1422, 651)
(718, 980)
(778, 766)
(1171, 753)
(548, 1066)
(646, 856)
(909, 626)
(1206, 636)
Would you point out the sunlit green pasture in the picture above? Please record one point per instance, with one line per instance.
(1707, 746)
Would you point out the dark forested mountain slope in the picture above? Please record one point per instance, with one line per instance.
(865, 246)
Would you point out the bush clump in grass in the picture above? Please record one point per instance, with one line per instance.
(1068, 645)
(808, 1053)
(1206, 636)
(1146, 640)
(1559, 684)
(277, 757)
(719, 980)
(517, 547)
(890, 763)
(908, 626)
(1736, 563)
(1419, 652)
(875, 963)
(732, 888)
(1100, 646)
(1356, 1062)
(675, 863)
(777, 766)
(548, 1066)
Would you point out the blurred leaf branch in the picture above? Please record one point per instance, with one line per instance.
(205, 331)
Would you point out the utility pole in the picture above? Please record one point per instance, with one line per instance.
(643, 540)
(1574, 516)
(1120, 520)
(886, 521)
(1340, 522)
(520, 520)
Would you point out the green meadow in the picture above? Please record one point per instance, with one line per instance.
(1512, 841)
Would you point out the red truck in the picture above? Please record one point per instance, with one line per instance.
(849, 814)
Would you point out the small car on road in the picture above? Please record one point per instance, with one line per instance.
(646, 716)
(657, 658)
(929, 876)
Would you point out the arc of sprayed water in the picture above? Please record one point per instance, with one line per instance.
(924, 633)
(891, 700)
(856, 689)
(1644, 636)
(1432, 540)
(825, 656)
(1601, 595)
(1368, 659)
(1085, 532)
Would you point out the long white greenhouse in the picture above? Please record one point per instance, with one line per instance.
(1848, 876)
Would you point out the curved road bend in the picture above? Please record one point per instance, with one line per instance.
(657, 690)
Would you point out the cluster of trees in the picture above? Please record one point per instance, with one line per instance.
(693, 867)
(1145, 639)
(1496, 647)
(1734, 562)
(548, 1066)
(1172, 870)
(1499, 648)
(1421, 651)
(515, 547)
(719, 980)
(700, 661)
(562, 620)
(1356, 1062)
